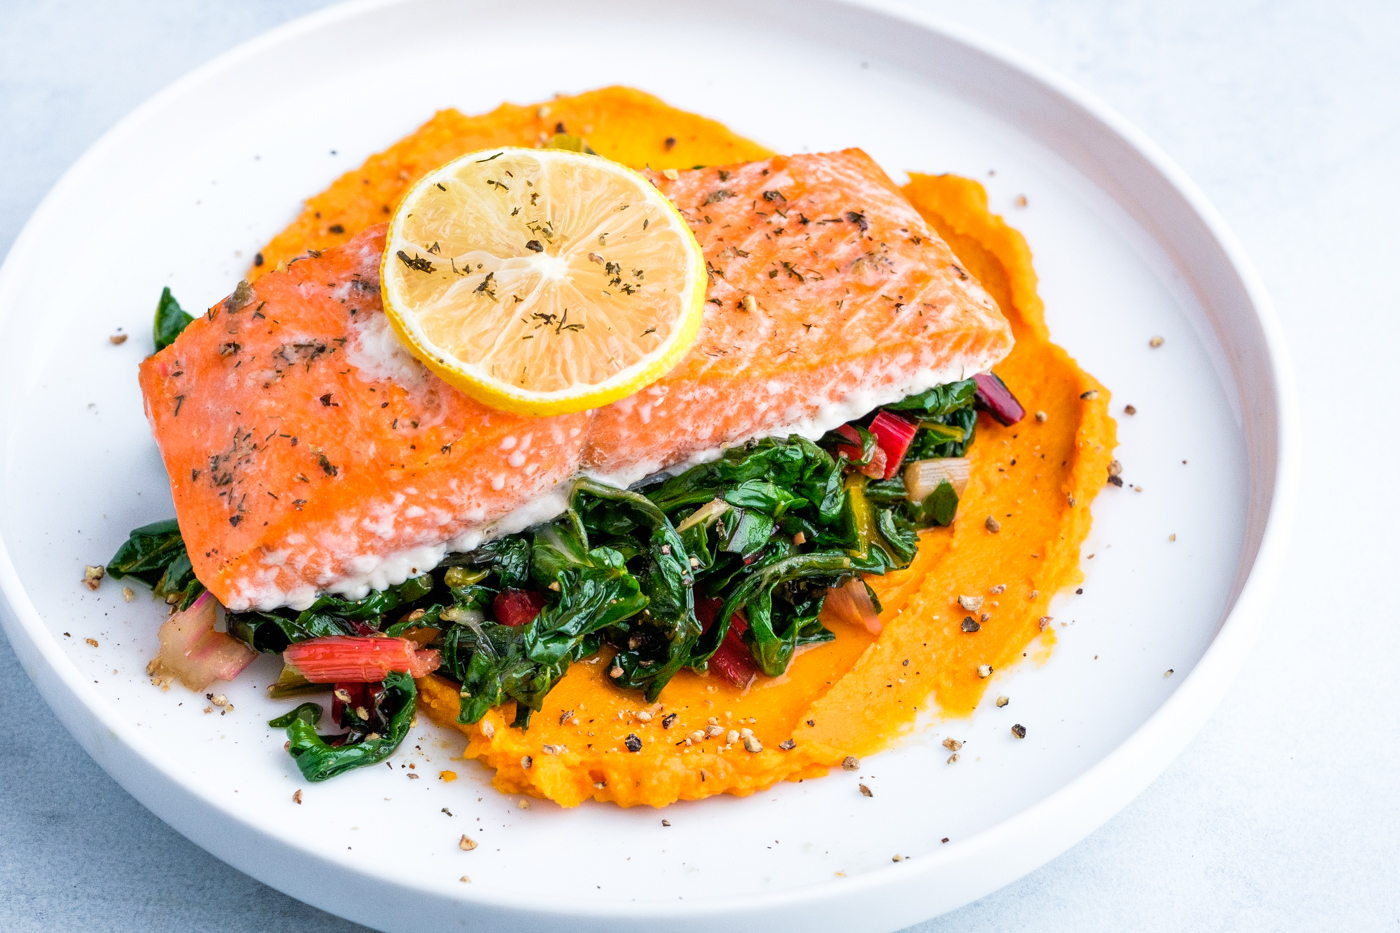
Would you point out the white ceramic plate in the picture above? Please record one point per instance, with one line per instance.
(186, 188)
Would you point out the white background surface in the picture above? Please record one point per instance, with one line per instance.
(1283, 815)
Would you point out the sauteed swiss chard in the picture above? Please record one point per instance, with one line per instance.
(732, 566)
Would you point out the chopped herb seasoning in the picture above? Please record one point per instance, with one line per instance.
(487, 286)
(242, 296)
(417, 263)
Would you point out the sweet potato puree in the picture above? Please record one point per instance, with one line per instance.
(858, 693)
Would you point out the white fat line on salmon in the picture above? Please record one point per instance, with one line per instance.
(828, 416)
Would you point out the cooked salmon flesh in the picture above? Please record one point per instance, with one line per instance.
(308, 451)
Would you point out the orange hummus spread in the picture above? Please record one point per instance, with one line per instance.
(1015, 542)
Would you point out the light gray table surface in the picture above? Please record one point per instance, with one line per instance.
(1284, 814)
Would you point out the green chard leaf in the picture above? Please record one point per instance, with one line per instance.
(942, 504)
(939, 401)
(507, 561)
(661, 636)
(776, 627)
(155, 554)
(793, 464)
(319, 760)
(170, 320)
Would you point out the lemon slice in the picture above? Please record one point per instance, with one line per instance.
(542, 281)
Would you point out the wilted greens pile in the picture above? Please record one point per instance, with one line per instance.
(761, 534)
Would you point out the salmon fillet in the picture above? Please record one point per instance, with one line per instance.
(309, 452)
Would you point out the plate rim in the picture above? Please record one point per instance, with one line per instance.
(1091, 798)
